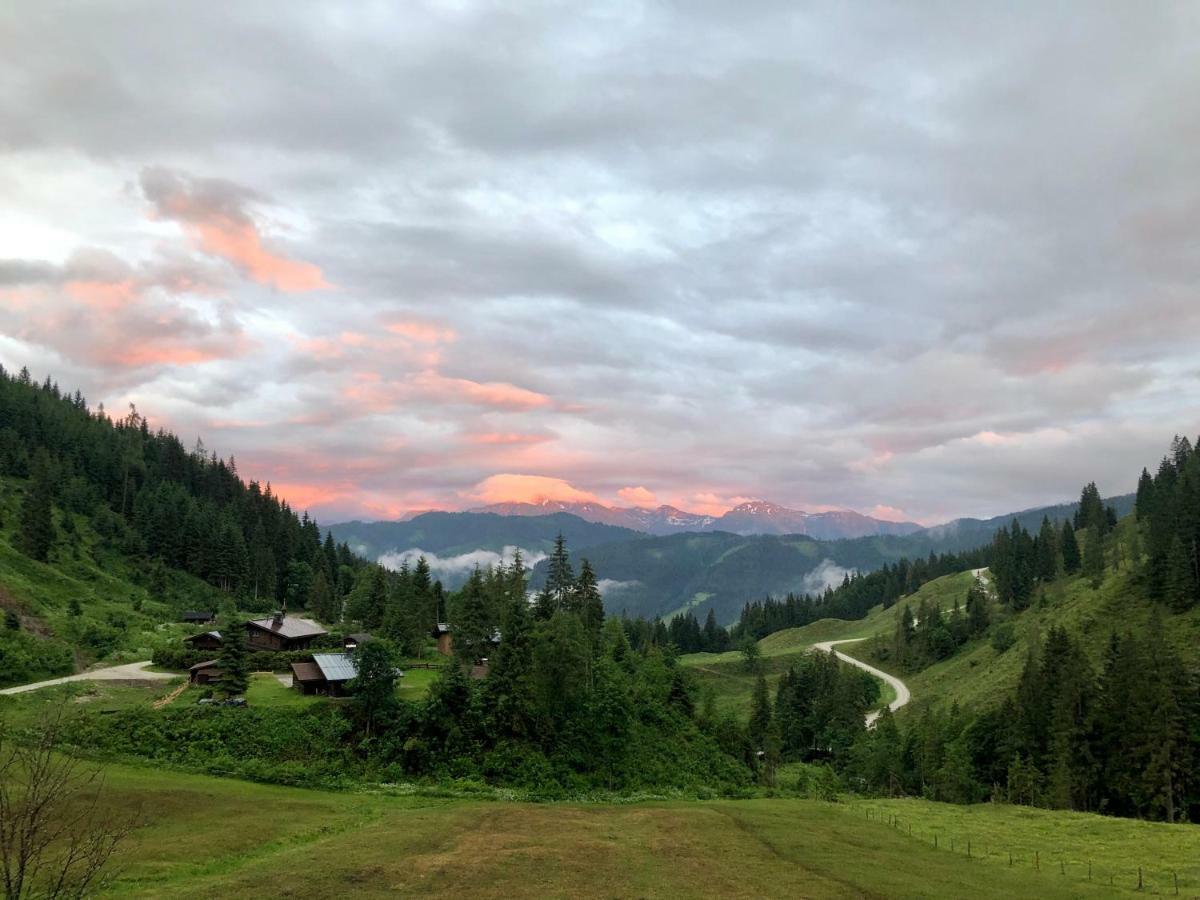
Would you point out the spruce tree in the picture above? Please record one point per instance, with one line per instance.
(233, 660)
(1093, 556)
(321, 601)
(760, 712)
(1047, 551)
(590, 603)
(560, 582)
(1070, 549)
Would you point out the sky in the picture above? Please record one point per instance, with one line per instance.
(920, 260)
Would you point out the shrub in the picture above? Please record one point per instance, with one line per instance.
(1003, 637)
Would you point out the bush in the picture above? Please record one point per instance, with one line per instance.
(1003, 637)
(25, 657)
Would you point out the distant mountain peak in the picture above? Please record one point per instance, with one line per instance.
(751, 517)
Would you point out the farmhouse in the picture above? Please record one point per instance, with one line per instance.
(198, 617)
(282, 632)
(208, 640)
(205, 672)
(328, 673)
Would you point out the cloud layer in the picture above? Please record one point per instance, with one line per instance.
(925, 260)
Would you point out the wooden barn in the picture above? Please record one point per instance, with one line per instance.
(208, 640)
(282, 632)
(205, 672)
(198, 617)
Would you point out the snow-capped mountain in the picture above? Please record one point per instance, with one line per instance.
(754, 517)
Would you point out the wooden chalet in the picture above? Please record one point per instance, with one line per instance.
(208, 640)
(198, 617)
(282, 632)
(328, 673)
(205, 672)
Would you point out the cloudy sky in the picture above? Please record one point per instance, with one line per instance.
(921, 260)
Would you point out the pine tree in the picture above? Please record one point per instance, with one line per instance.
(1178, 579)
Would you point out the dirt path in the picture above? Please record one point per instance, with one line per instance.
(902, 693)
(132, 672)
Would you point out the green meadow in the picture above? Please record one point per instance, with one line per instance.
(204, 837)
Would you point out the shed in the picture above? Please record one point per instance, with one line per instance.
(205, 672)
(197, 617)
(328, 673)
(307, 677)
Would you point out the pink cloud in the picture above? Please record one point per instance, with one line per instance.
(510, 488)
(506, 438)
(215, 215)
(638, 496)
(422, 332)
(888, 513)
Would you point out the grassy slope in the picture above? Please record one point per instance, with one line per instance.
(208, 837)
(732, 685)
(977, 676)
(107, 588)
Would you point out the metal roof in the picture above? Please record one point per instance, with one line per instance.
(289, 626)
(336, 666)
(215, 634)
(212, 663)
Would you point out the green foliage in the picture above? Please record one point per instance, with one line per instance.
(374, 687)
(35, 535)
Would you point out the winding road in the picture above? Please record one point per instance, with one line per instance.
(129, 672)
(903, 695)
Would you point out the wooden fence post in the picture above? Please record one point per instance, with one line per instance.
(1037, 860)
(1139, 878)
(935, 841)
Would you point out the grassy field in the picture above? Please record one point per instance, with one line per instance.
(204, 837)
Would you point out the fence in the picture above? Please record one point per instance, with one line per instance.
(1165, 881)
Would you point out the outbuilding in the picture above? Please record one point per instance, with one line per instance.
(328, 673)
(205, 672)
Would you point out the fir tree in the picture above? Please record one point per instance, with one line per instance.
(560, 582)
(590, 604)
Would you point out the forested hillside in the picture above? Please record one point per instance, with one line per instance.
(111, 528)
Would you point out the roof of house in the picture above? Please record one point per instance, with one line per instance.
(360, 637)
(197, 615)
(215, 634)
(306, 671)
(212, 663)
(289, 626)
(336, 666)
(441, 628)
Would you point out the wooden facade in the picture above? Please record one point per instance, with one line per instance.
(205, 672)
(282, 632)
(209, 640)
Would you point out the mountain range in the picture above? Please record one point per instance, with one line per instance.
(754, 517)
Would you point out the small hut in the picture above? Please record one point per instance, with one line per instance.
(205, 672)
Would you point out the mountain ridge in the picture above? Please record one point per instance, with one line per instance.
(751, 517)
